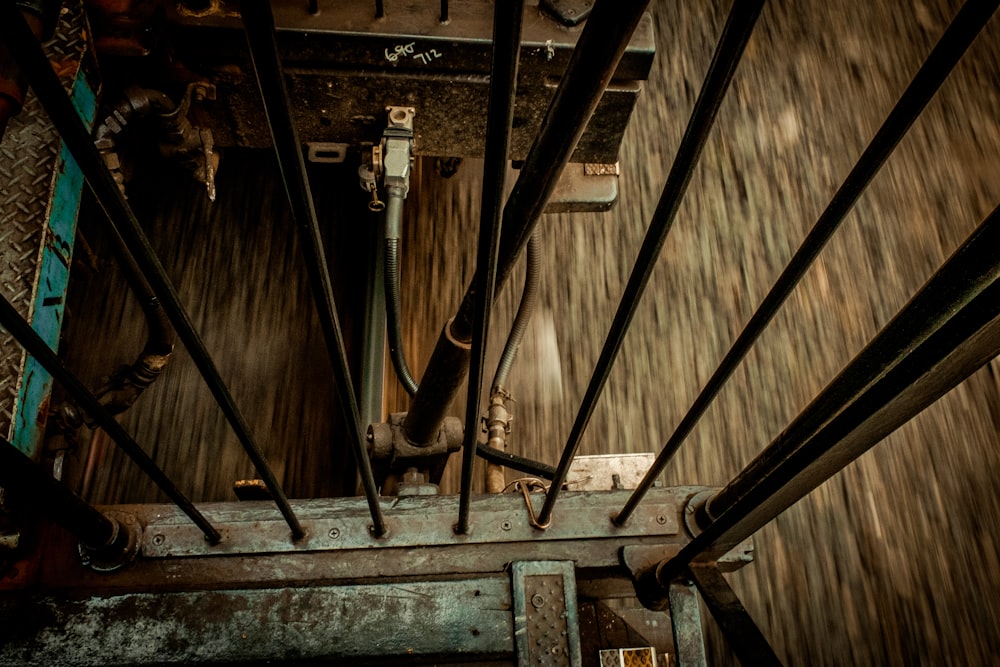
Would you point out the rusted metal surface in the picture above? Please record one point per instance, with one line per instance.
(546, 621)
(342, 524)
(468, 619)
(343, 68)
(685, 620)
(38, 207)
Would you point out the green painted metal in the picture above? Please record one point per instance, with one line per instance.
(401, 621)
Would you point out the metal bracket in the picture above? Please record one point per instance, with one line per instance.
(546, 621)
(392, 452)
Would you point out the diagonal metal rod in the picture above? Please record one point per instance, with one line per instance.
(121, 218)
(503, 81)
(942, 59)
(735, 34)
(12, 321)
(260, 32)
(948, 330)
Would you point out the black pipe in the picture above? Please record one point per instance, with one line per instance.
(39, 492)
(260, 32)
(393, 230)
(525, 309)
(507, 460)
(948, 330)
(735, 34)
(444, 11)
(595, 58)
(12, 321)
(956, 39)
(500, 115)
(119, 216)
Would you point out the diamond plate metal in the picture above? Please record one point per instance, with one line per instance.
(29, 165)
(546, 622)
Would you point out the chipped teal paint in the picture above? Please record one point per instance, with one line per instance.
(53, 279)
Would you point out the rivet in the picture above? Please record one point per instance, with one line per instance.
(505, 525)
(660, 519)
(537, 601)
(159, 540)
(334, 533)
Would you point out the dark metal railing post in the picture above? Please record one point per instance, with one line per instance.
(12, 321)
(22, 477)
(595, 58)
(119, 215)
(500, 114)
(948, 330)
(260, 32)
(956, 39)
(735, 34)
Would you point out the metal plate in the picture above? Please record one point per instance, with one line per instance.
(40, 195)
(257, 527)
(546, 622)
(396, 622)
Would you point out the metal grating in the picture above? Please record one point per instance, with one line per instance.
(29, 162)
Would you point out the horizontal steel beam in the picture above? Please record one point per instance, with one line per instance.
(468, 619)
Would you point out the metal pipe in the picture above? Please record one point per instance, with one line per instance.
(595, 58)
(735, 34)
(525, 309)
(948, 330)
(956, 39)
(24, 478)
(12, 321)
(508, 460)
(119, 215)
(373, 353)
(260, 32)
(500, 115)
(393, 231)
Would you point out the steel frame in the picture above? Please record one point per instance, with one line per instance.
(660, 539)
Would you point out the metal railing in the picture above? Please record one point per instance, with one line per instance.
(946, 331)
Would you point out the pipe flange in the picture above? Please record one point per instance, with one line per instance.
(694, 511)
(121, 549)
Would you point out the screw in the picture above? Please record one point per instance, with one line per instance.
(660, 519)
(334, 533)
(537, 601)
(505, 525)
(159, 540)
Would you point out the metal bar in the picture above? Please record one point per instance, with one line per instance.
(508, 460)
(21, 476)
(444, 11)
(500, 114)
(119, 215)
(595, 58)
(915, 367)
(373, 353)
(739, 629)
(685, 623)
(942, 59)
(260, 32)
(735, 34)
(955, 283)
(12, 321)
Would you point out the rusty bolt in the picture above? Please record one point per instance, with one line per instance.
(334, 533)
(505, 525)
(159, 540)
(537, 601)
(660, 519)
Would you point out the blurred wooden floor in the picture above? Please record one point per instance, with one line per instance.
(896, 560)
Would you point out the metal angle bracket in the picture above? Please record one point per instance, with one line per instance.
(546, 620)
